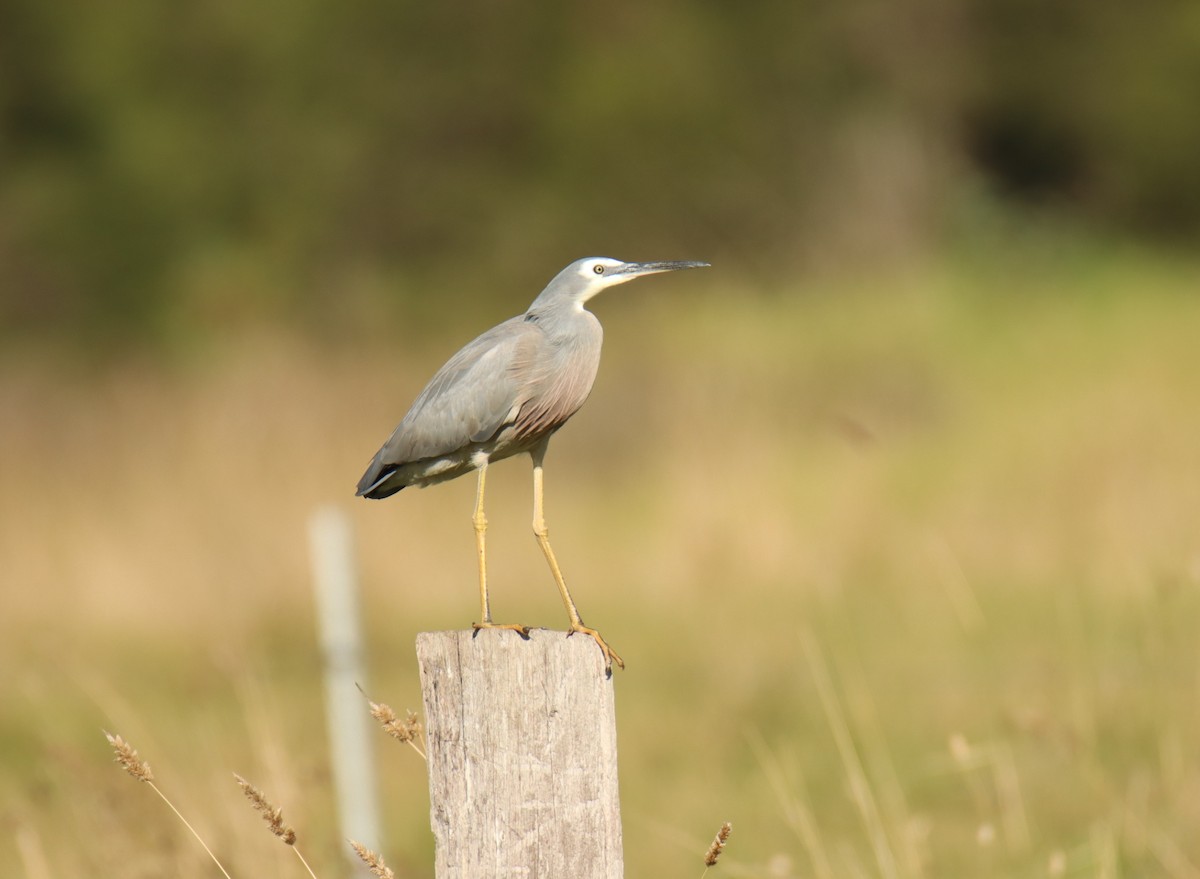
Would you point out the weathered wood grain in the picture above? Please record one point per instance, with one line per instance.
(522, 756)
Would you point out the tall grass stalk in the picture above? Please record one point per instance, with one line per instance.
(274, 818)
(373, 861)
(860, 787)
(129, 760)
(795, 809)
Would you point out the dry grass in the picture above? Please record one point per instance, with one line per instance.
(273, 815)
(718, 846)
(129, 760)
(983, 505)
(373, 861)
(407, 730)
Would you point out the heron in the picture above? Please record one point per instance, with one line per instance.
(505, 393)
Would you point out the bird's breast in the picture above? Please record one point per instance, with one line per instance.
(562, 378)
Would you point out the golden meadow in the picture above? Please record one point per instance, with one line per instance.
(906, 571)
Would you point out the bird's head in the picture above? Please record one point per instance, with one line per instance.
(586, 277)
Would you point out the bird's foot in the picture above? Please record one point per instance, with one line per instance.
(523, 631)
(610, 655)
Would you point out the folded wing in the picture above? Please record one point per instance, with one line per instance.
(471, 398)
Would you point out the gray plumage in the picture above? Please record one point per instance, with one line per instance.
(507, 392)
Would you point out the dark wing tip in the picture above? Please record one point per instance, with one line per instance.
(378, 494)
(373, 484)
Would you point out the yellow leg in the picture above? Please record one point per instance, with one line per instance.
(543, 538)
(480, 523)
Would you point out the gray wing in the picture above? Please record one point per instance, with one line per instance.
(476, 393)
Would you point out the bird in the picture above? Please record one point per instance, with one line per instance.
(506, 393)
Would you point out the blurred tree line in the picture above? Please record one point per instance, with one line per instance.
(170, 167)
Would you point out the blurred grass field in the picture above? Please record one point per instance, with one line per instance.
(969, 493)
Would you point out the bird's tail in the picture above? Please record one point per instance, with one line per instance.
(374, 483)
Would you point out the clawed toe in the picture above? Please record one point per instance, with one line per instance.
(610, 655)
(523, 631)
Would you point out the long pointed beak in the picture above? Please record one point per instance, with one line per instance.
(651, 268)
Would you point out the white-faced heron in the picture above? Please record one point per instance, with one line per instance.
(505, 393)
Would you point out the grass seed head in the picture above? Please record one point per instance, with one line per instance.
(718, 845)
(378, 868)
(129, 759)
(405, 730)
(272, 815)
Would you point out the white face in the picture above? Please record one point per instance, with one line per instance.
(595, 273)
(598, 272)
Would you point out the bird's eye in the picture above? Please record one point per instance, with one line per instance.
(599, 270)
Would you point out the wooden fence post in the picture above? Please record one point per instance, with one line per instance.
(522, 755)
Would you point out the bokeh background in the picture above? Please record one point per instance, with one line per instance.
(894, 512)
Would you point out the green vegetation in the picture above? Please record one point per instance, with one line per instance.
(894, 513)
(171, 174)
